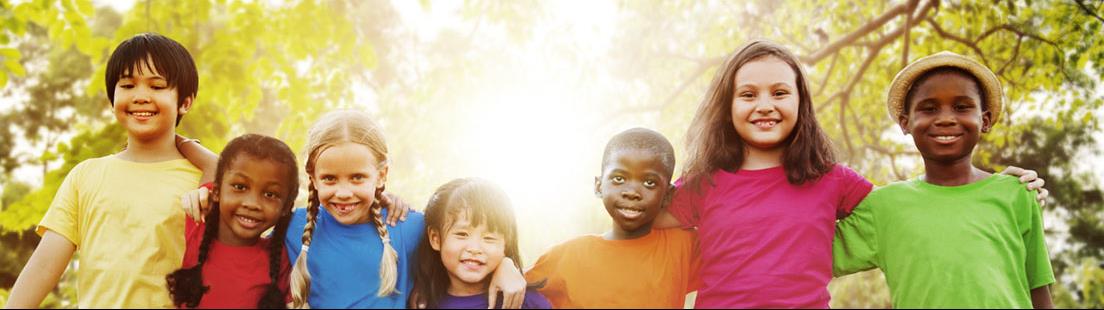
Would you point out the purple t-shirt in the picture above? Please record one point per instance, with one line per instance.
(533, 300)
(766, 243)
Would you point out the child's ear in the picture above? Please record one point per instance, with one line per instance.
(668, 196)
(185, 106)
(986, 121)
(903, 121)
(598, 187)
(215, 194)
(434, 239)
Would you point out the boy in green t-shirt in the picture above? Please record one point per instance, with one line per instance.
(957, 236)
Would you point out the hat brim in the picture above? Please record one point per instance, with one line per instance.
(994, 100)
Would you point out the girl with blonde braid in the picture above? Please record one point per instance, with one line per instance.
(344, 254)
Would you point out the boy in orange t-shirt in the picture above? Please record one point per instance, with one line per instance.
(632, 265)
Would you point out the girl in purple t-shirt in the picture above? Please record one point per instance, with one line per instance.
(762, 186)
(470, 229)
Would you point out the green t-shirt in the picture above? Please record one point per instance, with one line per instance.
(978, 245)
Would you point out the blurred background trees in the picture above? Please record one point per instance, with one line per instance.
(525, 93)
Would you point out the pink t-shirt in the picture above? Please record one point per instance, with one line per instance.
(764, 242)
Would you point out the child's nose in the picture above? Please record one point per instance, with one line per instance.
(630, 194)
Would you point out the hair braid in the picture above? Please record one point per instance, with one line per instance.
(186, 285)
(389, 260)
(300, 275)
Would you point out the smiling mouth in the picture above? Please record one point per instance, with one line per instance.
(630, 213)
(472, 263)
(344, 208)
(946, 138)
(765, 124)
(247, 222)
(142, 115)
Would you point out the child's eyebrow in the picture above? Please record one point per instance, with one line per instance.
(240, 175)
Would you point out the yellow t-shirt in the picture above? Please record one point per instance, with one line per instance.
(126, 220)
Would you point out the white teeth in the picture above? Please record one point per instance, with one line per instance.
(630, 211)
(248, 220)
(766, 123)
(144, 114)
(945, 138)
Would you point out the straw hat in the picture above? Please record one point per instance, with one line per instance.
(990, 85)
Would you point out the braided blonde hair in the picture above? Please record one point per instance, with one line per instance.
(332, 129)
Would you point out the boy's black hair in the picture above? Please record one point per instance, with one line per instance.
(186, 284)
(642, 139)
(941, 70)
(170, 59)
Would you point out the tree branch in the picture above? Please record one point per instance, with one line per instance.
(946, 35)
(824, 81)
(1015, 54)
(855, 35)
(1084, 7)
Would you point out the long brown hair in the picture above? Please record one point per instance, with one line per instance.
(483, 203)
(332, 129)
(713, 143)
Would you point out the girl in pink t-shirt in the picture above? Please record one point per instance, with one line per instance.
(763, 188)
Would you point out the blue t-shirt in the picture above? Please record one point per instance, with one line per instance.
(344, 260)
(533, 300)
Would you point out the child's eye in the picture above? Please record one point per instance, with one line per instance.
(649, 183)
(328, 178)
(747, 95)
(962, 107)
(237, 187)
(462, 234)
(618, 179)
(126, 86)
(271, 195)
(490, 238)
(780, 93)
(358, 178)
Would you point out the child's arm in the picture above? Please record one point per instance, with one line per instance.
(199, 156)
(42, 271)
(1034, 182)
(1040, 298)
(508, 280)
(396, 209)
(855, 245)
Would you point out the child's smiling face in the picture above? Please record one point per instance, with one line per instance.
(251, 199)
(470, 254)
(633, 186)
(765, 102)
(945, 116)
(145, 104)
(347, 177)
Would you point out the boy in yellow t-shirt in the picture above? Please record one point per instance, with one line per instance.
(122, 211)
(632, 265)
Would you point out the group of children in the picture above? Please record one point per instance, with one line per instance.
(762, 217)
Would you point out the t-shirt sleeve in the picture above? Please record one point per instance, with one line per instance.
(543, 269)
(853, 188)
(694, 268)
(63, 215)
(855, 245)
(1037, 263)
(193, 237)
(686, 204)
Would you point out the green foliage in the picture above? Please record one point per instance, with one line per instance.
(274, 67)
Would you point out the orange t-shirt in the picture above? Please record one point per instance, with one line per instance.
(653, 271)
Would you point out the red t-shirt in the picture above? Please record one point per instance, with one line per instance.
(236, 275)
